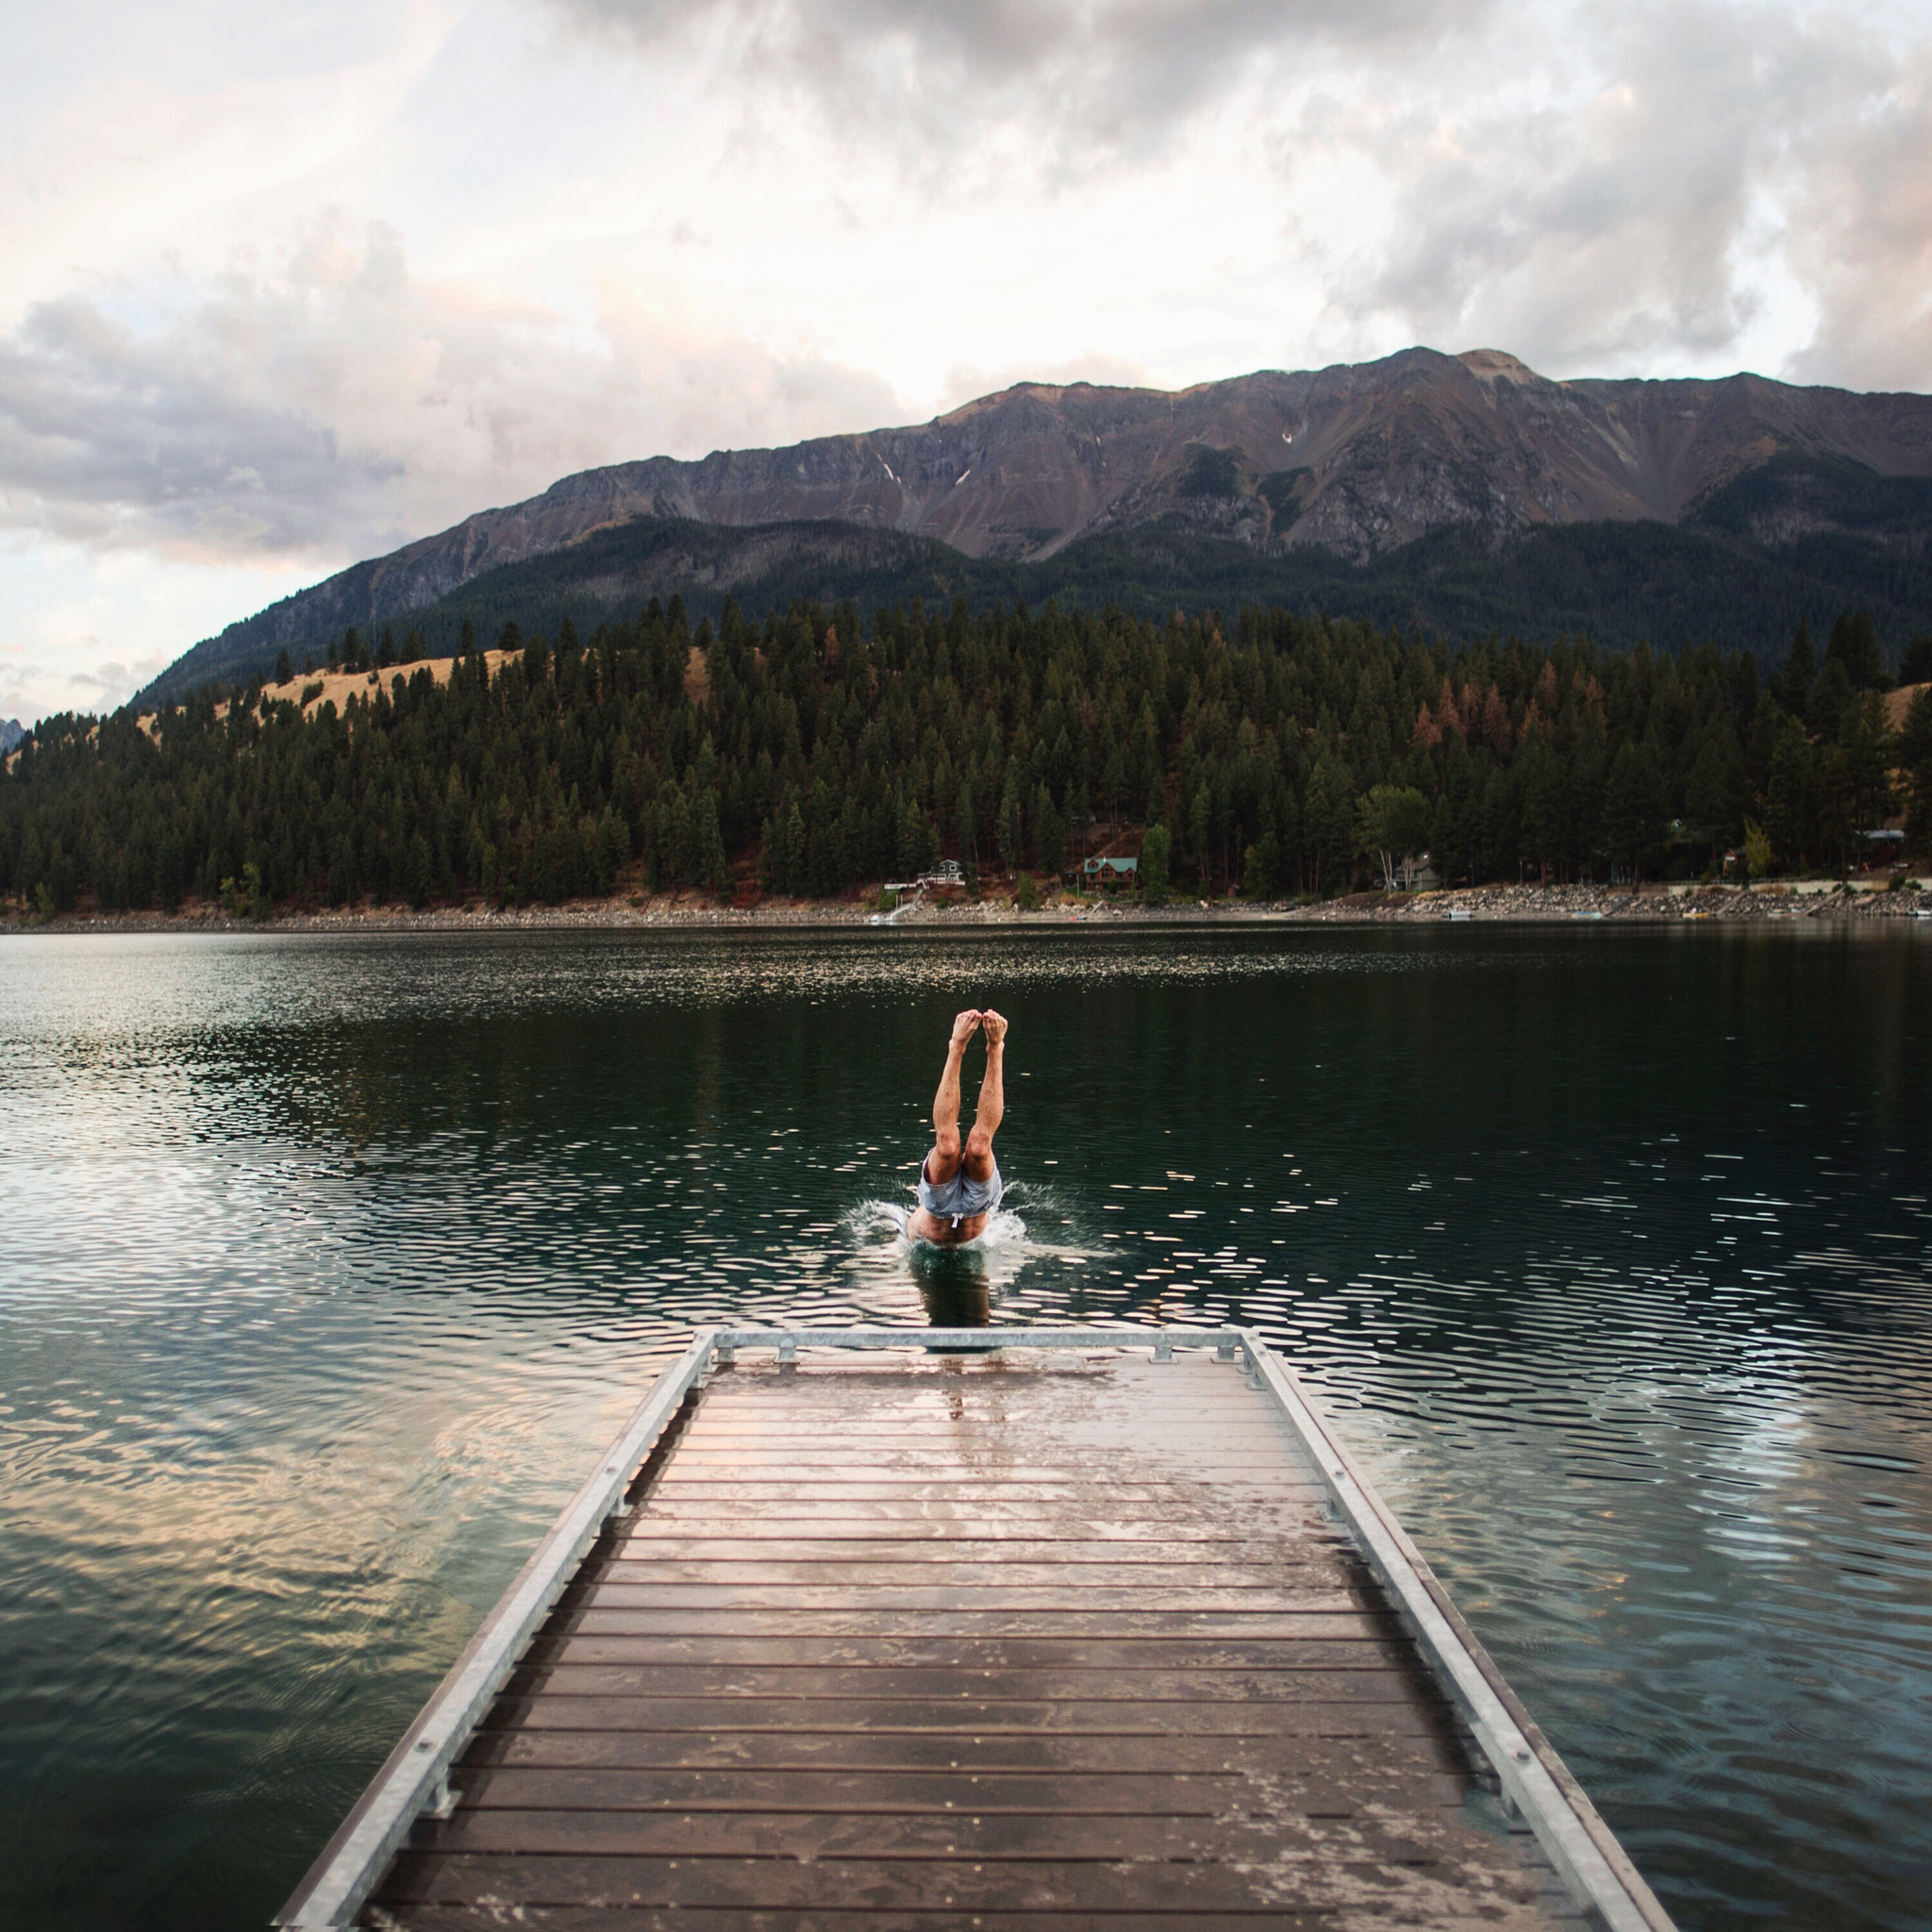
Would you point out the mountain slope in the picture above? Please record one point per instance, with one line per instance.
(1356, 460)
(1619, 583)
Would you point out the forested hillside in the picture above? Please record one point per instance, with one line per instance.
(814, 754)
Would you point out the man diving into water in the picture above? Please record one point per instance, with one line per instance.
(958, 1189)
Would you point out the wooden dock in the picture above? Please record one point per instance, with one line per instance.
(913, 1629)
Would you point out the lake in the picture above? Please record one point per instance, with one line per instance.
(332, 1263)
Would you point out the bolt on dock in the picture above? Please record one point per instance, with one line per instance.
(883, 1628)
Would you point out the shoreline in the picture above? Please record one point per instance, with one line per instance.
(1776, 903)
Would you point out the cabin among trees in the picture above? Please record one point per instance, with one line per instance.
(814, 754)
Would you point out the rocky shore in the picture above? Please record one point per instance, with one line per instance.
(1815, 900)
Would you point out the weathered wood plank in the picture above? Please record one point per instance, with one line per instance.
(1272, 1755)
(1019, 1717)
(1016, 1448)
(1306, 1620)
(964, 1886)
(1141, 1442)
(1088, 1794)
(925, 1546)
(1124, 1497)
(1231, 1836)
(856, 1918)
(1377, 1681)
(1281, 1515)
(973, 1596)
(928, 1572)
(1370, 1649)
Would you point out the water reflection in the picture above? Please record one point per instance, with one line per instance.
(328, 1261)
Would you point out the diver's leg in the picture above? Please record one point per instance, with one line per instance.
(943, 1163)
(993, 1100)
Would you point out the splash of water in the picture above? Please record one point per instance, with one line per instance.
(888, 1224)
(900, 1276)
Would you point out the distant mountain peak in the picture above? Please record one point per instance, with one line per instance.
(1487, 364)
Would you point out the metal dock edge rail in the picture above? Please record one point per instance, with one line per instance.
(1534, 1783)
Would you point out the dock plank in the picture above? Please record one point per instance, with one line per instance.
(1089, 1794)
(1376, 1681)
(1493, 1888)
(1342, 1617)
(1017, 1716)
(1371, 1649)
(1274, 1755)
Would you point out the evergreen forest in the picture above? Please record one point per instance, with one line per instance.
(814, 754)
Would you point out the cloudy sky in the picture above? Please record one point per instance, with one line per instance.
(281, 287)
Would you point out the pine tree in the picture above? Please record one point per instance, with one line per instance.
(967, 833)
(910, 856)
(709, 866)
(1801, 667)
(1200, 829)
(1153, 865)
(1785, 795)
(1011, 832)
(1854, 645)
(1049, 830)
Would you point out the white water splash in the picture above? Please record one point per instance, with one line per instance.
(899, 1274)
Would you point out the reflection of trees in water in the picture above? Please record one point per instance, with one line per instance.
(487, 1079)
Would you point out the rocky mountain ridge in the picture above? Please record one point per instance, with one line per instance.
(1359, 460)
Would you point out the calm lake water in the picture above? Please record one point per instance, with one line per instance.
(329, 1266)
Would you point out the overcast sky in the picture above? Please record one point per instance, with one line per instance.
(281, 287)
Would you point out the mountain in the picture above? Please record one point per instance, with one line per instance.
(1374, 476)
(12, 732)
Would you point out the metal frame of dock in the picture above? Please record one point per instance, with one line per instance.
(1536, 1793)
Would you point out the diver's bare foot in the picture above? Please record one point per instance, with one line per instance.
(995, 1027)
(964, 1026)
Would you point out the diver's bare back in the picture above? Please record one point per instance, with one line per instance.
(960, 1182)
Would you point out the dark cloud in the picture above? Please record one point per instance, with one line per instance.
(936, 75)
(109, 436)
(1861, 236)
(1627, 213)
(341, 406)
(1594, 186)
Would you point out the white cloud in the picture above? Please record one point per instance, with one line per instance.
(341, 403)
